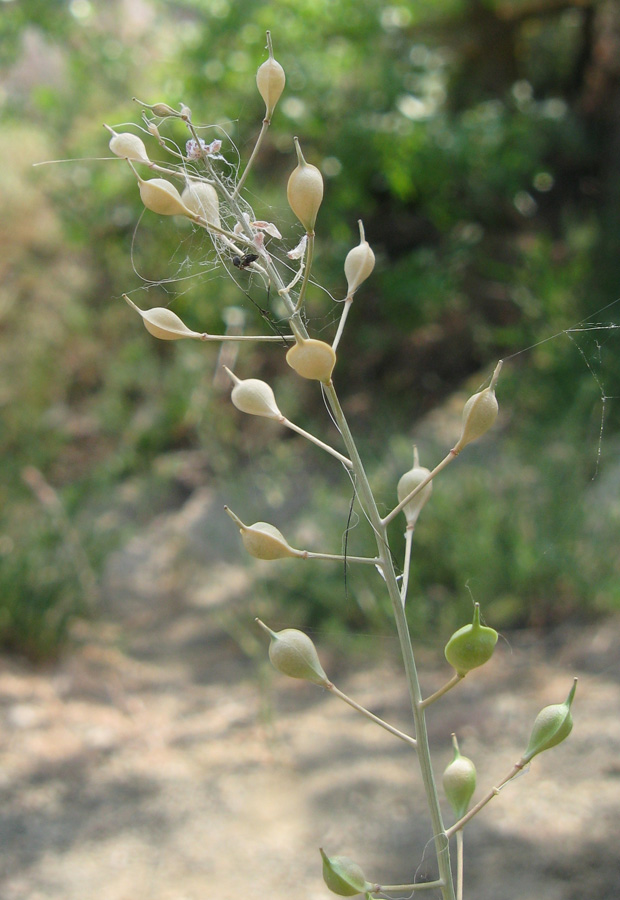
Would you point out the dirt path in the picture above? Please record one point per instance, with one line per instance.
(158, 763)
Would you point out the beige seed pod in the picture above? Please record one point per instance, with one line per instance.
(479, 413)
(253, 396)
(162, 323)
(201, 198)
(312, 359)
(359, 263)
(293, 653)
(305, 191)
(270, 80)
(409, 482)
(161, 197)
(127, 146)
(263, 540)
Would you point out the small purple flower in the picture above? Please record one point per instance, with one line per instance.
(197, 149)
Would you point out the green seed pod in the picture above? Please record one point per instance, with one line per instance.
(479, 413)
(255, 397)
(471, 646)
(343, 876)
(162, 323)
(409, 482)
(459, 781)
(312, 359)
(305, 191)
(293, 653)
(270, 80)
(552, 725)
(359, 263)
(263, 540)
(201, 198)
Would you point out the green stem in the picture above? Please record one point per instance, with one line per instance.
(444, 462)
(259, 141)
(459, 865)
(366, 712)
(419, 886)
(454, 829)
(443, 690)
(366, 498)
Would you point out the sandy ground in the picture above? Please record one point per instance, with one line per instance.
(159, 761)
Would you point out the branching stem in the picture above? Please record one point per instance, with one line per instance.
(365, 712)
(456, 678)
(486, 799)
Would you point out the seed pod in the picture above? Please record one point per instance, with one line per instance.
(162, 323)
(479, 413)
(312, 359)
(459, 781)
(305, 191)
(263, 540)
(359, 263)
(161, 197)
(552, 725)
(128, 146)
(201, 198)
(471, 646)
(293, 653)
(409, 482)
(343, 876)
(270, 80)
(253, 396)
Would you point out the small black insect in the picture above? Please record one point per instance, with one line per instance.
(242, 262)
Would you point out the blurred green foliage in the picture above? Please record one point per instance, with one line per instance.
(477, 142)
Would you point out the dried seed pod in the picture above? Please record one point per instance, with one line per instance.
(359, 263)
(262, 540)
(312, 359)
(128, 146)
(552, 725)
(305, 191)
(459, 781)
(253, 396)
(162, 323)
(343, 876)
(161, 197)
(409, 482)
(201, 198)
(293, 653)
(471, 646)
(479, 413)
(270, 80)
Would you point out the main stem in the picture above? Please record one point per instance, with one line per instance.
(367, 500)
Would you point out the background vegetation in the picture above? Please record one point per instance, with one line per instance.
(478, 141)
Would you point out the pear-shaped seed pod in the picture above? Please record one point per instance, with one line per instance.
(471, 646)
(312, 359)
(253, 396)
(293, 653)
(305, 191)
(459, 781)
(128, 146)
(161, 197)
(359, 263)
(263, 540)
(552, 725)
(479, 413)
(343, 876)
(162, 323)
(270, 80)
(409, 482)
(201, 198)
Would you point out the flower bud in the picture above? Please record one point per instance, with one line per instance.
(253, 396)
(128, 146)
(293, 653)
(262, 540)
(471, 646)
(459, 781)
(312, 359)
(201, 198)
(359, 263)
(162, 323)
(479, 414)
(343, 876)
(409, 482)
(270, 80)
(161, 197)
(305, 191)
(552, 725)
